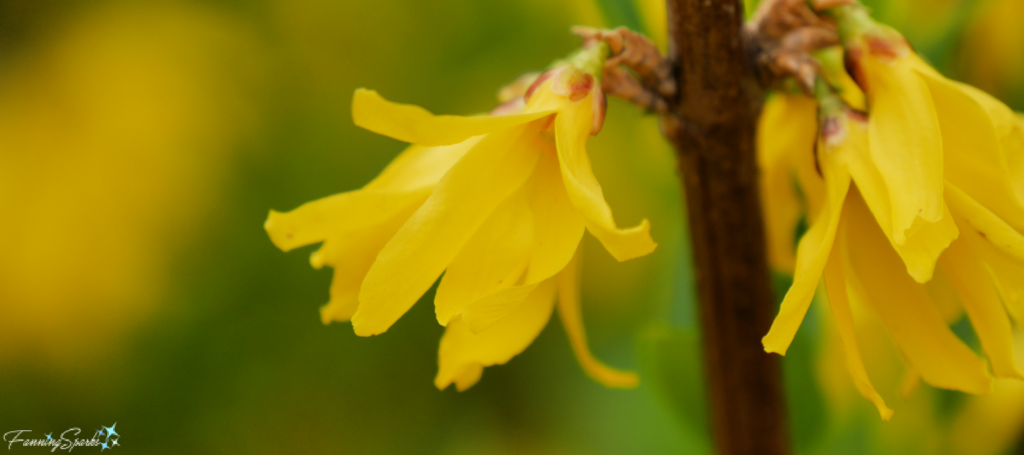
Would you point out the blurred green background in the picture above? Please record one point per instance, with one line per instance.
(143, 142)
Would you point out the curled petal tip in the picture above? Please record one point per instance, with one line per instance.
(886, 413)
(922, 275)
(771, 348)
(269, 224)
(443, 321)
(325, 316)
(361, 328)
(639, 244)
(612, 378)
(280, 234)
(628, 380)
(316, 260)
(621, 380)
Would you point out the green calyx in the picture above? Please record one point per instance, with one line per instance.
(829, 102)
(855, 22)
(589, 60)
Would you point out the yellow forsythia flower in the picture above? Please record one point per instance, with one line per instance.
(927, 421)
(497, 202)
(937, 201)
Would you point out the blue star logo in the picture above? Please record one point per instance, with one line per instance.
(49, 436)
(103, 446)
(100, 432)
(110, 431)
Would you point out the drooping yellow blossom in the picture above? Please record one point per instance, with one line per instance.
(936, 198)
(497, 203)
(926, 422)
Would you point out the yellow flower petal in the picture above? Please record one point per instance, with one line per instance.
(558, 229)
(987, 224)
(1009, 279)
(463, 354)
(415, 169)
(905, 141)
(415, 125)
(812, 253)
(351, 249)
(787, 129)
(835, 283)
(493, 259)
(572, 129)
(316, 221)
(921, 249)
(344, 292)
(911, 380)
(835, 72)
(849, 90)
(407, 266)
(981, 300)
(469, 376)
(419, 167)
(877, 280)
(354, 226)
(977, 143)
(1007, 272)
(486, 312)
(558, 226)
(1013, 147)
(943, 294)
(572, 319)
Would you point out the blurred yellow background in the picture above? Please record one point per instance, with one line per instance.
(143, 142)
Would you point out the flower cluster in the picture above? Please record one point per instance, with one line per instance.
(921, 192)
(497, 203)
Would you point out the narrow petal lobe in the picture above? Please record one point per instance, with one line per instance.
(493, 259)
(572, 129)
(572, 319)
(407, 266)
(981, 300)
(787, 129)
(835, 283)
(464, 354)
(415, 125)
(905, 141)
(878, 281)
(811, 256)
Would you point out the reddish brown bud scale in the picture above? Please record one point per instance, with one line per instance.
(822, 5)
(817, 163)
(857, 116)
(573, 84)
(851, 60)
(882, 48)
(831, 128)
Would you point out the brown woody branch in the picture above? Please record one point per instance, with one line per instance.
(712, 126)
(709, 93)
